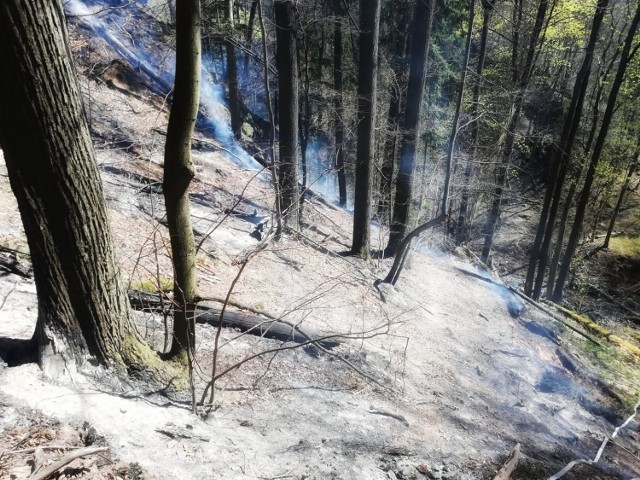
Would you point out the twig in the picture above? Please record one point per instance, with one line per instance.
(387, 413)
(606, 440)
(68, 458)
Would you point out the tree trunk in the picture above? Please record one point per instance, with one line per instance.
(625, 58)
(339, 105)
(82, 306)
(287, 66)
(623, 191)
(463, 222)
(562, 159)
(232, 72)
(389, 158)
(508, 139)
(456, 115)
(367, 88)
(250, 25)
(179, 171)
(422, 19)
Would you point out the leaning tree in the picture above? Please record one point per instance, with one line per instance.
(83, 311)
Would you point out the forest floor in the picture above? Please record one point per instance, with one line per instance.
(432, 379)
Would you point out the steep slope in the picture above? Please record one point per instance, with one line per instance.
(433, 379)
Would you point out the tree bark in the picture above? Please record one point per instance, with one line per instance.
(625, 58)
(339, 105)
(82, 306)
(422, 20)
(389, 160)
(287, 66)
(367, 89)
(179, 171)
(232, 71)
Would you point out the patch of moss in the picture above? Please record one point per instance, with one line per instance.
(626, 245)
(153, 285)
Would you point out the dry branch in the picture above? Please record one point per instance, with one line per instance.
(509, 465)
(68, 458)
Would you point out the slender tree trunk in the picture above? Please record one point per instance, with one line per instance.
(389, 157)
(422, 20)
(562, 159)
(339, 103)
(367, 90)
(249, 35)
(463, 222)
(232, 71)
(456, 115)
(179, 171)
(516, 24)
(623, 192)
(83, 311)
(305, 121)
(625, 58)
(508, 139)
(287, 66)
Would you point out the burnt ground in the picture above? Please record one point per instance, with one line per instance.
(447, 380)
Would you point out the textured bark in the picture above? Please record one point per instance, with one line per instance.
(232, 71)
(82, 305)
(463, 222)
(287, 66)
(422, 19)
(367, 88)
(179, 171)
(562, 159)
(338, 106)
(625, 58)
(511, 125)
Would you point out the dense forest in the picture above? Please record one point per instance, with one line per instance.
(323, 176)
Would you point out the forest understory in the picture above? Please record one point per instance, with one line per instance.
(438, 377)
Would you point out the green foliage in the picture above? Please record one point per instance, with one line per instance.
(626, 245)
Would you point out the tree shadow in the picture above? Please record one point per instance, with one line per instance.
(15, 351)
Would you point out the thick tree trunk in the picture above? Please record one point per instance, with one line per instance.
(232, 71)
(463, 222)
(287, 66)
(367, 88)
(625, 58)
(82, 306)
(179, 171)
(339, 105)
(562, 159)
(422, 19)
(508, 139)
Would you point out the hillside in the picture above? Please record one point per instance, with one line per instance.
(438, 377)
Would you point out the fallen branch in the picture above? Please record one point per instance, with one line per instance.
(604, 443)
(555, 317)
(67, 459)
(387, 413)
(615, 302)
(10, 263)
(510, 464)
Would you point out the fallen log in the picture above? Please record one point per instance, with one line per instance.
(254, 324)
(67, 459)
(555, 317)
(10, 263)
(598, 330)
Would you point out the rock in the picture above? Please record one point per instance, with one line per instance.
(392, 475)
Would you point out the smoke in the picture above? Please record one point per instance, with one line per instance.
(159, 66)
(321, 174)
